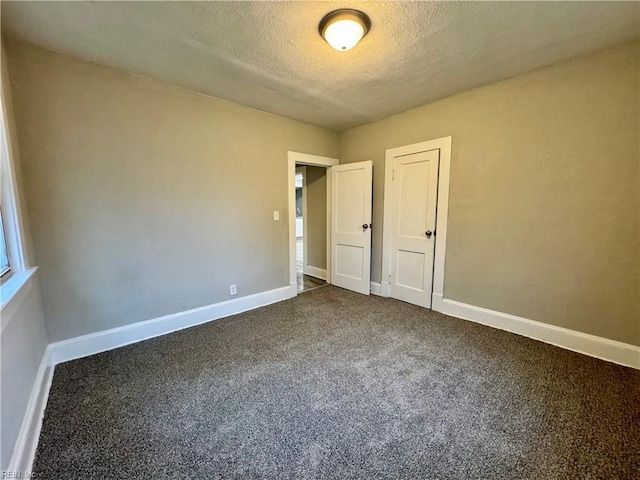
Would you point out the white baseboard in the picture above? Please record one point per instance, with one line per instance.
(594, 346)
(376, 289)
(24, 450)
(93, 343)
(316, 272)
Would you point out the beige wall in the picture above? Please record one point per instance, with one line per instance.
(544, 200)
(147, 199)
(316, 217)
(22, 346)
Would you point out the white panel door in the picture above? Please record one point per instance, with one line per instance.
(351, 189)
(414, 196)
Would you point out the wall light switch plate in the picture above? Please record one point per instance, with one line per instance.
(232, 289)
(276, 215)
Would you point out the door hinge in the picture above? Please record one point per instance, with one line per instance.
(393, 174)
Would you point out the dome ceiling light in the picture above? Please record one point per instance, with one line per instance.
(344, 28)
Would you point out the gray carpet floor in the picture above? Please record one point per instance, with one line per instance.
(337, 385)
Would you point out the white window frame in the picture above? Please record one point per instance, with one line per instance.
(20, 273)
(4, 275)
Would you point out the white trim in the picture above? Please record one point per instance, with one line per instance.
(316, 272)
(376, 289)
(313, 160)
(294, 158)
(442, 214)
(327, 262)
(13, 291)
(11, 208)
(436, 302)
(291, 205)
(24, 450)
(118, 337)
(444, 146)
(602, 348)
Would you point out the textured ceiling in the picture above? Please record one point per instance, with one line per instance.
(268, 55)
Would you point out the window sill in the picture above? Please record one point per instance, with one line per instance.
(11, 290)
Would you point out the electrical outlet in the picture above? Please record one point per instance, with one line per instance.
(276, 215)
(232, 289)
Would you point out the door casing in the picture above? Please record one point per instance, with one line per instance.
(293, 159)
(442, 211)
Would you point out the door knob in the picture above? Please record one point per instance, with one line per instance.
(365, 226)
(428, 233)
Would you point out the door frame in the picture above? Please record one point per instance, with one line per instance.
(442, 212)
(305, 159)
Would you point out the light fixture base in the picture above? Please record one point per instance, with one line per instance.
(344, 15)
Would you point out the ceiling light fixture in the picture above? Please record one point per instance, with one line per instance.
(344, 28)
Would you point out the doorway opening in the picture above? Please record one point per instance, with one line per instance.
(309, 185)
(311, 221)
